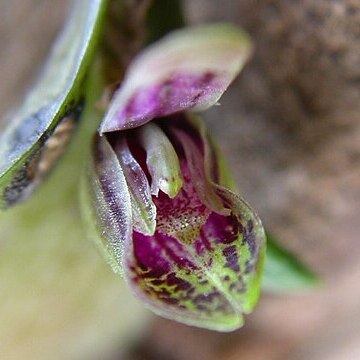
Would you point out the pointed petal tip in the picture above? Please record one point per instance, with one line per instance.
(143, 207)
(161, 160)
(171, 186)
(107, 127)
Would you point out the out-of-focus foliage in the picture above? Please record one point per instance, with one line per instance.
(59, 300)
(283, 272)
(36, 134)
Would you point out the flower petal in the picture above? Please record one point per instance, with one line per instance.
(143, 208)
(195, 157)
(106, 203)
(200, 267)
(188, 69)
(209, 282)
(161, 161)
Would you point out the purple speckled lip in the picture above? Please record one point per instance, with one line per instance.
(169, 269)
(179, 92)
(197, 257)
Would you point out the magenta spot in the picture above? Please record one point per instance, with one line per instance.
(202, 244)
(221, 229)
(203, 299)
(170, 300)
(238, 286)
(181, 284)
(179, 92)
(249, 238)
(176, 251)
(158, 254)
(149, 256)
(232, 258)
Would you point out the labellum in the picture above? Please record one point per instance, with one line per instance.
(28, 142)
(191, 249)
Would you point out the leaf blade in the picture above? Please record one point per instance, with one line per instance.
(56, 94)
(283, 272)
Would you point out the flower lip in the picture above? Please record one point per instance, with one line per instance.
(202, 264)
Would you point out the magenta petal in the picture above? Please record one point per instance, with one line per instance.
(187, 70)
(201, 266)
(180, 91)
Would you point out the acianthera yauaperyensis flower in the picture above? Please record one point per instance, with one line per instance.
(155, 194)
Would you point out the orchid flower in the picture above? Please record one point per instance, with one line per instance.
(155, 194)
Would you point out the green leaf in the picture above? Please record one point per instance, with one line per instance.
(37, 133)
(283, 272)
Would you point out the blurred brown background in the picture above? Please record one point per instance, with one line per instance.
(290, 128)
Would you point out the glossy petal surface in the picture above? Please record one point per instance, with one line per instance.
(188, 69)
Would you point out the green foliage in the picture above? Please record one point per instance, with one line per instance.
(57, 96)
(283, 272)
